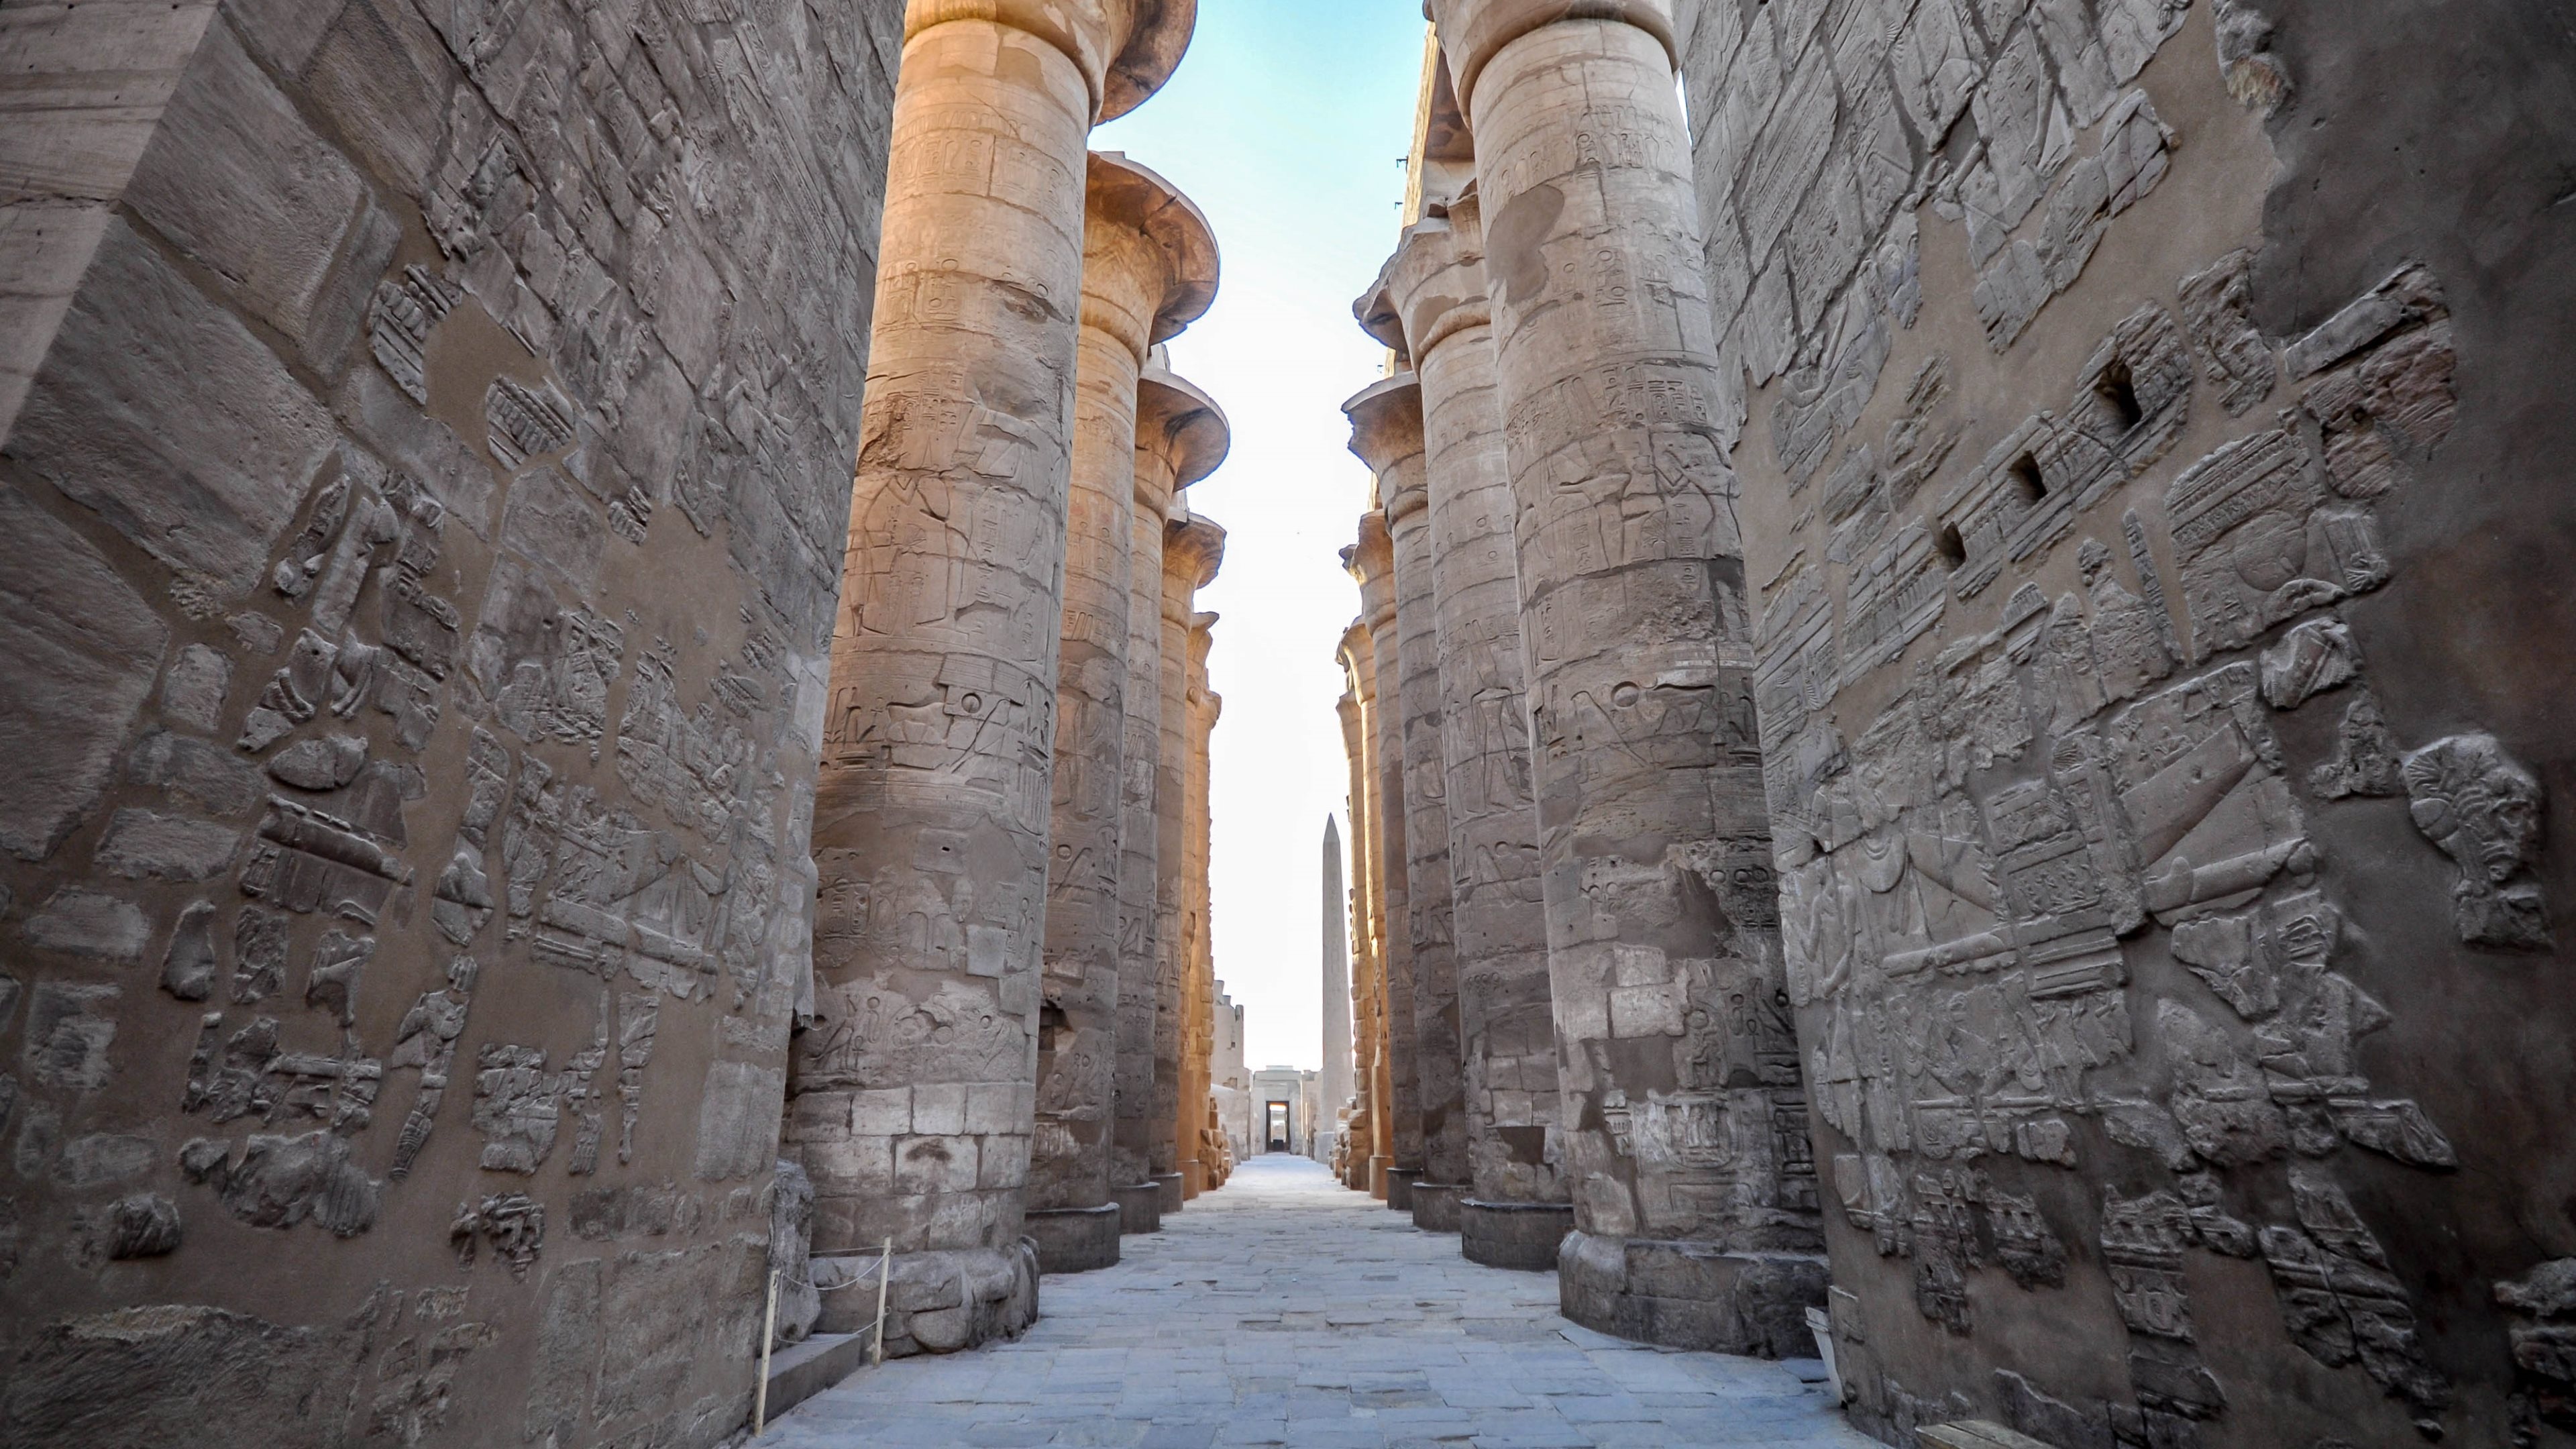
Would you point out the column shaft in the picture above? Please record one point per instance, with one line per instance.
(1148, 268)
(1192, 548)
(1204, 706)
(914, 1093)
(1386, 432)
(1506, 1025)
(1181, 436)
(1077, 1034)
(1631, 583)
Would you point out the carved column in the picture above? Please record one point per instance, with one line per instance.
(1181, 437)
(1148, 270)
(1335, 1086)
(1399, 1141)
(1632, 613)
(914, 1093)
(1431, 303)
(1193, 547)
(1199, 984)
(1386, 433)
(1358, 660)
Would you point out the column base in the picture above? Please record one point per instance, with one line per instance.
(1194, 1179)
(1399, 1187)
(1074, 1240)
(1435, 1205)
(1518, 1235)
(1140, 1207)
(1683, 1294)
(1378, 1167)
(1169, 1185)
(937, 1301)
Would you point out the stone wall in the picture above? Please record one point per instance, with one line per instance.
(2151, 470)
(426, 521)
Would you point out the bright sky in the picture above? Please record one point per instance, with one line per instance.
(1287, 124)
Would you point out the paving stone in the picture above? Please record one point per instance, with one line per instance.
(1275, 1312)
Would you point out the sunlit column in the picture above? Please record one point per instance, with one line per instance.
(913, 1097)
(1148, 269)
(1632, 615)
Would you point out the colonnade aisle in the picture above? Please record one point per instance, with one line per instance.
(1284, 1309)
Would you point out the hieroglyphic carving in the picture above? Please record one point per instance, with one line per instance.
(513, 1223)
(2483, 808)
(517, 1105)
(426, 1042)
(2544, 1342)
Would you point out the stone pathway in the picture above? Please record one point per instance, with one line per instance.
(1284, 1310)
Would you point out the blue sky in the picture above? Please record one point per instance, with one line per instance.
(1287, 124)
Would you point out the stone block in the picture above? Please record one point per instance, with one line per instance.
(1435, 1205)
(1074, 1240)
(166, 415)
(1399, 1187)
(738, 1120)
(929, 1164)
(146, 843)
(240, 184)
(1140, 1208)
(939, 1108)
(881, 1111)
(1519, 1235)
(1690, 1294)
(82, 646)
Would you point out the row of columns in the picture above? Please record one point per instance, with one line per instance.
(994, 1082)
(1556, 738)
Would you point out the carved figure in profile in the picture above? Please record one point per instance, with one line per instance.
(2482, 807)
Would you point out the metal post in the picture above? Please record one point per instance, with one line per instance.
(885, 1260)
(768, 1334)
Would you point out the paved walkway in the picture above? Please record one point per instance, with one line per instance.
(1284, 1310)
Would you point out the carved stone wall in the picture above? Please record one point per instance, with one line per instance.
(2149, 461)
(426, 520)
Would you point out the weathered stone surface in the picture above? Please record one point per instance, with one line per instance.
(80, 922)
(83, 645)
(208, 491)
(356, 629)
(2115, 968)
(141, 843)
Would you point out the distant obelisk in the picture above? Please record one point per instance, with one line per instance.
(1337, 1082)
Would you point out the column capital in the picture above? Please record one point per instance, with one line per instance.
(1473, 31)
(1180, 423)
(1357, 653)
(1372, 562)
(1433, 286)
(1125, 49)
(1202, 639)
(1193, 550)
(1145, 244)
(1386, 421)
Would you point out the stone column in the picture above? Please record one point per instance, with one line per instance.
(1193, 547)
(1334, 1087)
(1199, 983)
(1431, 303)
(1386, 433)
(1694, 1223)
(1361, 1125)
(1148, 270)
(915, 1091)
(1399, 1111)
(1181, 437)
